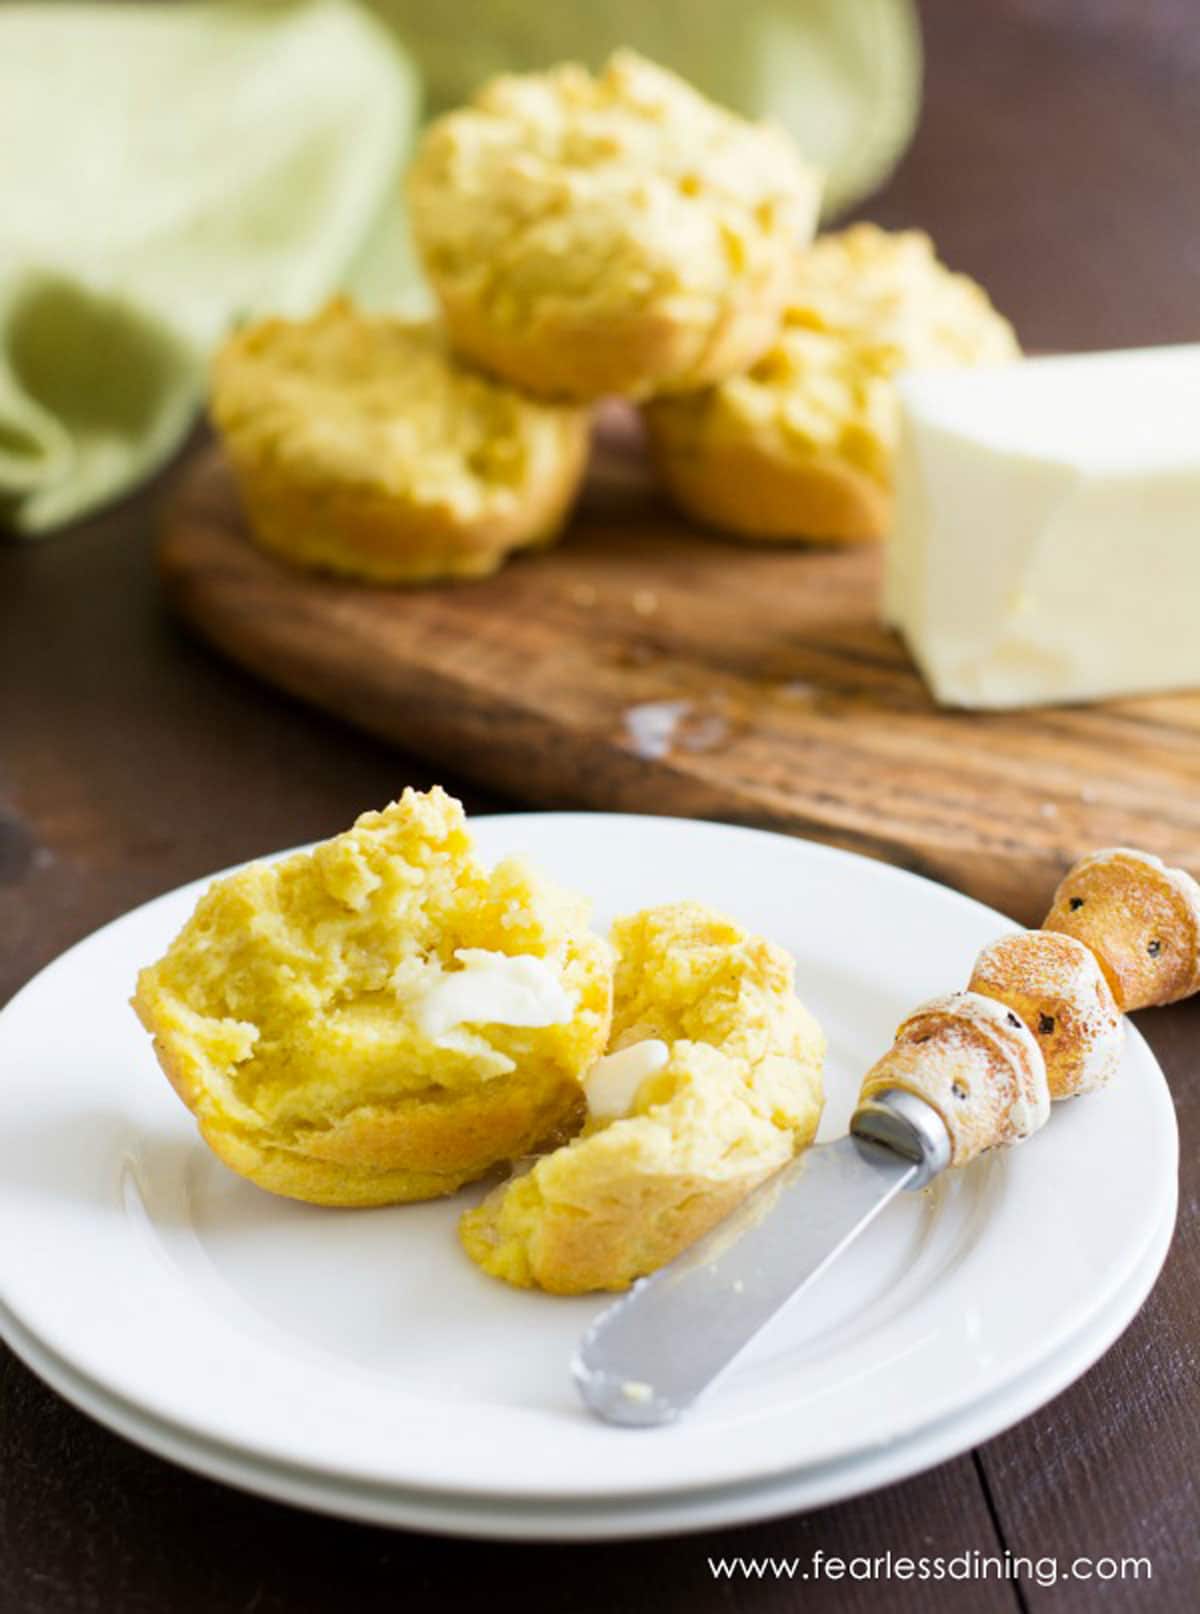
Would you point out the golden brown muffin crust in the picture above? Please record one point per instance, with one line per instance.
(609, 233)
(801, 445)
(362, 446)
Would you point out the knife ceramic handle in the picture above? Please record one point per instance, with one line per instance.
(976, 1063)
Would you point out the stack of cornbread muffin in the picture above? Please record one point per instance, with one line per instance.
(585, 237)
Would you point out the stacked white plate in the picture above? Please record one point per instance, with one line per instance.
(356, 1362)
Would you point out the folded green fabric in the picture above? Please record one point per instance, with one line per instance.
(166, 169)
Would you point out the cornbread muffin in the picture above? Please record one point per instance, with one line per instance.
(801, 445)
(1059, 990)
(362, 446)
(1140, 918)
(978, 1065)
(611, 234)
(380, 1019)
(722, 1069)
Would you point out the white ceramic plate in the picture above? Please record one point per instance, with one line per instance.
(663, 1514)
(364, 1348)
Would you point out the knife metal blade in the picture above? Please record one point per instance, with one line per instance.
(646, 1358)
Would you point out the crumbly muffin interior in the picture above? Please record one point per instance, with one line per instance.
(291, 999)
(739, 1093)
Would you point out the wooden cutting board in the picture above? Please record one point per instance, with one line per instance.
(645, 667)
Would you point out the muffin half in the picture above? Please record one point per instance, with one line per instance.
(380, 1019)
(712, 1082)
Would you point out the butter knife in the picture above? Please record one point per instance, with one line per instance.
(647, 1357)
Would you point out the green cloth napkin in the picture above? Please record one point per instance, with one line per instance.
(165, 170)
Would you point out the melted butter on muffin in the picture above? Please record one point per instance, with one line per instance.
(489, 988)
(613, 1083)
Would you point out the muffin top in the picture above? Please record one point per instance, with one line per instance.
(865, 304)
(381, 404)
(602, 193)
(890, 287)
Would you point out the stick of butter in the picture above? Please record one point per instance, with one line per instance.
(1046, 541)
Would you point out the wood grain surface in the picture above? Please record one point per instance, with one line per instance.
(642, 666)
(1057, 161)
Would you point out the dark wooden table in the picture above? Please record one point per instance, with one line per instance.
(1059, 159)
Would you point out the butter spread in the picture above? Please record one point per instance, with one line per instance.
(612, 1083)
(493, 989)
